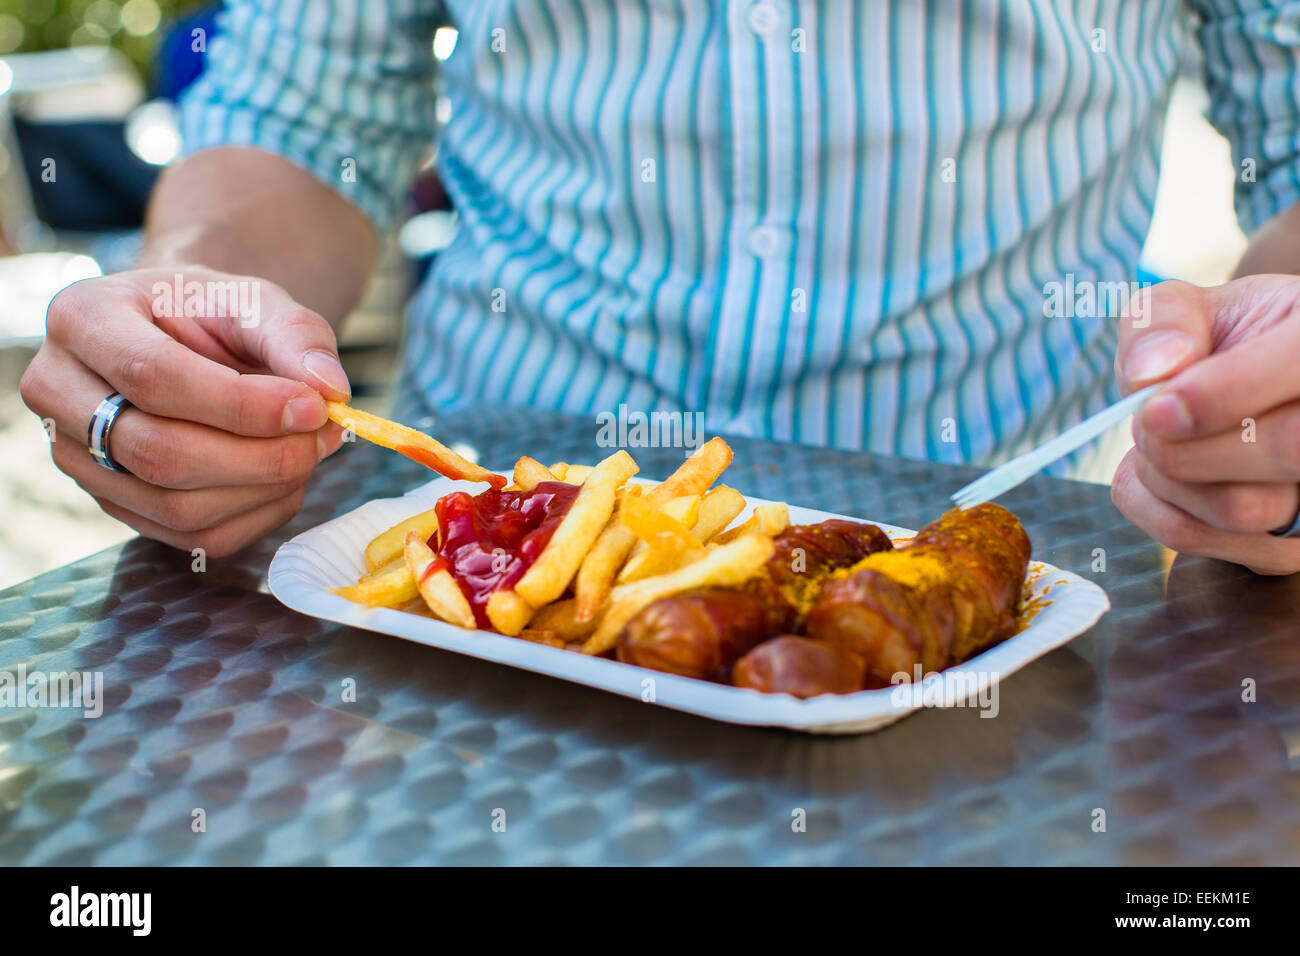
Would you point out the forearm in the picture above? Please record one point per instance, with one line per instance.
(249, 212)
(1275, 248)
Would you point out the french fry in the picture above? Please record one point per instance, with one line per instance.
(540, 636)
(392, 587)
(773, 518)
(693, 477)
(727, 565)
(666, 538)
(577, 474)
(384, 547)
(674, 517)
(508, 612)
(717, 510)
(600, 567)
(665, 554)
(411, 443)
(382, 569)
(559, 561)
(529, 473)
(560, 618)
(621, 546)
(695, 474)
(769, 520)
(440, 591)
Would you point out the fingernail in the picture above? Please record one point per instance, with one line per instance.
(1166, 415)
(1155, 356)
(325, 368)
(304, 414)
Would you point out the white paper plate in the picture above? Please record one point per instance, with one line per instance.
(304, 569)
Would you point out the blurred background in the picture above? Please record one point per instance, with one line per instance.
(87, 93)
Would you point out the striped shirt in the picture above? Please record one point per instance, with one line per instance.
(828, 221)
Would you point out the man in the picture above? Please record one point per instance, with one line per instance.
(830, 222)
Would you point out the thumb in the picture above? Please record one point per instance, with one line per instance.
(293, 342)
(1163, 329)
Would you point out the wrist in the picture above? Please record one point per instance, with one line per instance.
(203, 246)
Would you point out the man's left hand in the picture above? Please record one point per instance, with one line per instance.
(1216, 465)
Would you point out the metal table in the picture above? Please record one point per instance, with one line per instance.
(217, 698)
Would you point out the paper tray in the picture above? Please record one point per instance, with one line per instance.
(304, 569)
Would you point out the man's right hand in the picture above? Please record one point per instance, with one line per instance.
(222, 433)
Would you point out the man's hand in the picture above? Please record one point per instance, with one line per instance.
(1217, 462)
(223, 431)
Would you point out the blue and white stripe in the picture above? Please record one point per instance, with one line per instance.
(854, 208)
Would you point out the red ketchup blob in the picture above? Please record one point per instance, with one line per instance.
(489, 540)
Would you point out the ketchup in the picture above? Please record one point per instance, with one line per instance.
(489, 540)
(430, 460)
(439, 563)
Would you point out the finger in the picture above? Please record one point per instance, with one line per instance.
(1184, 533)
(183, 455)
(1229, 506)
(1163, 329)
(1266, 449)
(272, 331)
(296, 343)
(1243, 380)
(112, 336)
(258, 323)
(167, 452)
(177, 510)
(218, 541)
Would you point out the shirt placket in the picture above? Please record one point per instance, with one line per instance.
(760, 230)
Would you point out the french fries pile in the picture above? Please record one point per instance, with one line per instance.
(618, 548)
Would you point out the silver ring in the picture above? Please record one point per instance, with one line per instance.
(1293, 531)
(101, 427)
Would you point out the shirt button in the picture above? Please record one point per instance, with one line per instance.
(762, 19)
(763, 241)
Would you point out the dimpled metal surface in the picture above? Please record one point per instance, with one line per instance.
(219, 699)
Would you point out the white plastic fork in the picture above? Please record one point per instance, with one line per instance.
(1018, 470)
